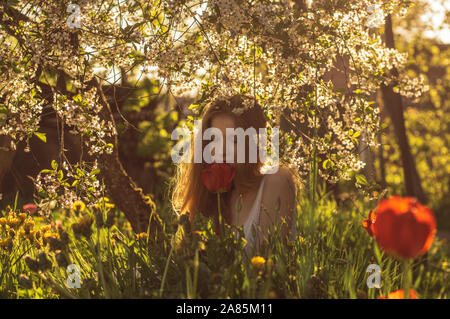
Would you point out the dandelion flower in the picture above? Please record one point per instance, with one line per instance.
(79, 207)
(258, 263)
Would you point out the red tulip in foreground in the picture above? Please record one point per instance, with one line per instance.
(402, 227)
(400, 294)
(217, 177)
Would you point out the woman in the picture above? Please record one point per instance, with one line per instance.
(254, 199)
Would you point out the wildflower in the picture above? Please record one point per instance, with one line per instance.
(25, 282)
(141, 236)
(78, 207)
(31, 263)
(127, 226)
(45, 229)
(368, 223)
(403, 227)
(217, 177)
(30, 208)
(6, 243)
(399, 294)
(13, 221)
(2, 221)
(104, 203)
(258, 263)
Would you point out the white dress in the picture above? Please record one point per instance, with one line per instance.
(253, 219)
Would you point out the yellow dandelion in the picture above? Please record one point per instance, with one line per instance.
(79, 207)
(50, 234)
(141, 236)
(127, 226)
(13, 221)
(45, 229)
(258, 263)
(6, 243)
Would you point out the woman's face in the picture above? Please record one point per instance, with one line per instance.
(222, 122)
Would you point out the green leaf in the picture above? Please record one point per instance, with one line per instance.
(94, 172)
(41, 136)
(361, 179)
(327, 164)
(54, 164)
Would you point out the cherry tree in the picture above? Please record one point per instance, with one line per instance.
(283, 53)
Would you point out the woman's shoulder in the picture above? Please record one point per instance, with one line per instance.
(282, 176)
(279, 184)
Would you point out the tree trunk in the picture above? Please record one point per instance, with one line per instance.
(6, 157)
(394, 106)
(138, 208)
(380, 141)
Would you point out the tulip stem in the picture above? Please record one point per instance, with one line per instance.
(407, 278)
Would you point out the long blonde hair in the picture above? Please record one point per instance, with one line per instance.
(189, 194)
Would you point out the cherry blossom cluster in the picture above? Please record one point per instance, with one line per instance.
(284, 54)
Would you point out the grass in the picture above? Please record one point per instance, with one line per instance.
(328, 259)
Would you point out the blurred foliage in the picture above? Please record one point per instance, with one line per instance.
(428, 120)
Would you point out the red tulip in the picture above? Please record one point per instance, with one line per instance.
(217, 177)
(400, 294)
(31, 208)
(402, 227)
(368, 223)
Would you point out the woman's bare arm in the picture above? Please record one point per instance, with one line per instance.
(278, 202)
